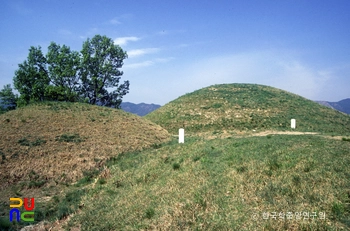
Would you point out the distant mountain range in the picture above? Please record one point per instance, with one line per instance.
(140, 109)
(342, 105)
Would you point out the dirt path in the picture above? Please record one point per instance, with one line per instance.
(265, 133)
(226, 134)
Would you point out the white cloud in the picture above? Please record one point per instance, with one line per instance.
(276, 69)
(285, 70)
(147, 63)
(139, 65)
(114, 21)
(163, 60)
(124, 40)
(140, 52)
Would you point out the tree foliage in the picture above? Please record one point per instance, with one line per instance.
(101, 60)
(7, 98)
(63, 68)
(31, 78)
(91, 75)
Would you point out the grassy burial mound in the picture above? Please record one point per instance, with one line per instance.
(58, 142)
(235, 108)
(218, 184)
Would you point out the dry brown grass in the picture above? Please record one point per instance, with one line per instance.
(104, 132)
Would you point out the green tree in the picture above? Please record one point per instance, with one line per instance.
(101, 60)
(63, 66)
(64, 75)
(32, 77)
(7, 98)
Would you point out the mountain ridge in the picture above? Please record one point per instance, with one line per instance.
(140, 109)
(342, 105)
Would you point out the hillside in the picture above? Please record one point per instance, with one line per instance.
(82, 162)
(242, 108)
(220, 184)
(140, 109)
(47, 144)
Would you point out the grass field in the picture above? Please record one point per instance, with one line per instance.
(221, 184)
(225, 184)
(95, 168)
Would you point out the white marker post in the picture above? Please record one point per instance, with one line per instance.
(181, 135)
(293, 123)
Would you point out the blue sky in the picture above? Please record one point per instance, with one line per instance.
(176, 47)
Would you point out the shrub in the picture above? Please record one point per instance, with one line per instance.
(70, 203)
(156, 146)
(36, 184)
(38, 142)
(69, 138)
(3, 157)
(102, 181)
(5, 224)
(24, 142)
(63, 211)
(176, 166)
(196, 158)
(338, 209)
(296, 180)
(216, 105)
(241, 169)
(88, 176)
(149, 213)
(273, 163)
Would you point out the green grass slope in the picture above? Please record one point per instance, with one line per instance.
(224, 184)
(273, 182)
(236, 108)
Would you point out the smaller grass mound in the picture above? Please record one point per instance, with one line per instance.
(51, 144)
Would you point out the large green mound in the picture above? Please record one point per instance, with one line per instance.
(236, 108)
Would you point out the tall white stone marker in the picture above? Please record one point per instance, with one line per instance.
(293, 123)
(181, 135)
